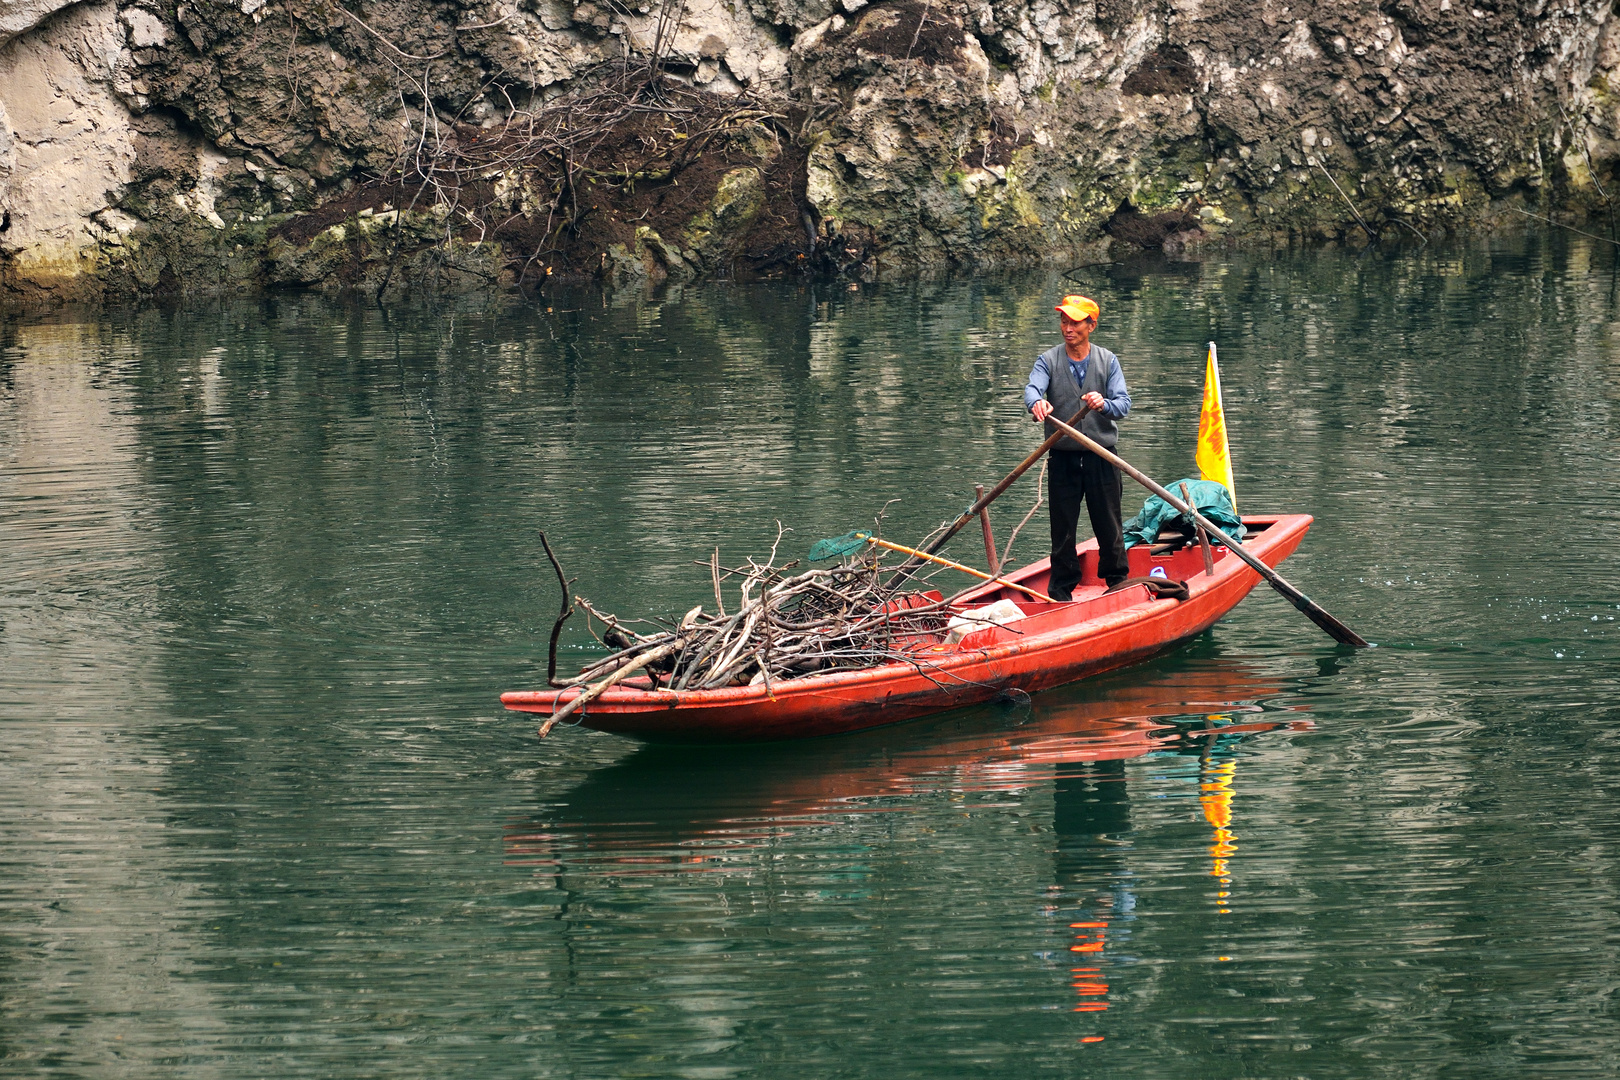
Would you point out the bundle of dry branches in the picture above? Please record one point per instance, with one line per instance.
(786, 627)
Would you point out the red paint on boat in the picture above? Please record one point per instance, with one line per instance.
(1054, 644)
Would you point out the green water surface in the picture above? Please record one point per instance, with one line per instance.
(265, 569)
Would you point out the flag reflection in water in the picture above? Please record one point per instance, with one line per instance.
(1215, 793)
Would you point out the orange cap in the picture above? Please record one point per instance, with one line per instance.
(1078, 307)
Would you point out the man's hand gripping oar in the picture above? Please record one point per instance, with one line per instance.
(1311, 610)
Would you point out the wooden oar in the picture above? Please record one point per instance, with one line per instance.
(905, 569)
(1311, 610)
(870, 539)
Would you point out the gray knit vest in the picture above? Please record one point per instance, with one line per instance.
(1065, 395)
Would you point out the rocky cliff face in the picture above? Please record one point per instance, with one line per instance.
(155, 147)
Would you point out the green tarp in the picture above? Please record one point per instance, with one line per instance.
(1209, 498)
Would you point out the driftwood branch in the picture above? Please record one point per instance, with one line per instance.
(596, 691)
(714, 572)
(1354, 212)
(562, 616)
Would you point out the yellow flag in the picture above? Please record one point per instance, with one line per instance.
(1214, 456)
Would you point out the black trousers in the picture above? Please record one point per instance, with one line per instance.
(1073, 477)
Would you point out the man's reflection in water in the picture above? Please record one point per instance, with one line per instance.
(1092, 882)
(1093, 885)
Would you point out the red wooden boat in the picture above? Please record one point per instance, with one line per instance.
(1053, 644)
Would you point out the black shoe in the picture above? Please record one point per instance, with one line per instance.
(1061, 597)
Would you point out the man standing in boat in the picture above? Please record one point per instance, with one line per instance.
(1064, 378)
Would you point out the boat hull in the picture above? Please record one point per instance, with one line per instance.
(1058, 644)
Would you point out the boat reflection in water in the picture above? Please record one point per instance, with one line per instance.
(686, 794)
(671, 812)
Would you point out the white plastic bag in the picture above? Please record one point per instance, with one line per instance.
(999, 613)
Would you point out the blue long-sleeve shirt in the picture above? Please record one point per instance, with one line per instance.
(1116, 398)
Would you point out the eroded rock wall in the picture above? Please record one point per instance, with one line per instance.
(161, 147)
